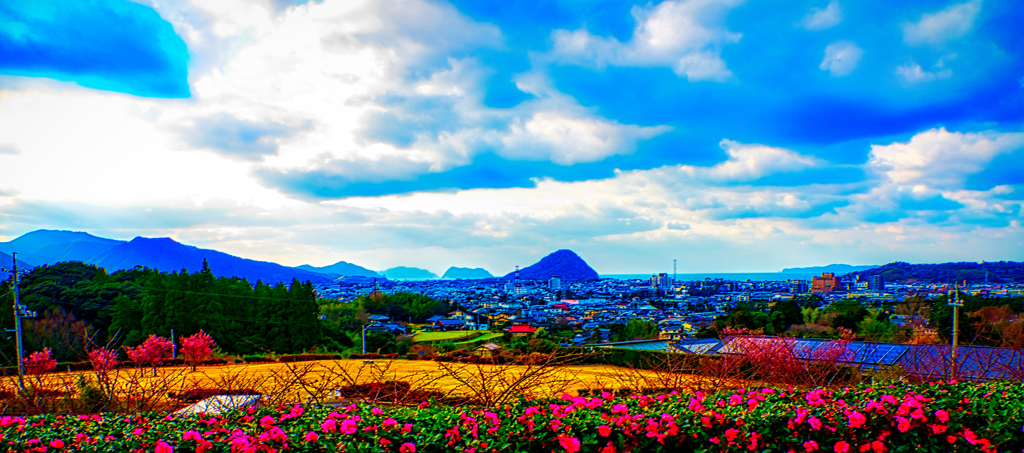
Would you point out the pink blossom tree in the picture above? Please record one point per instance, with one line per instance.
(40, 362)
(197, 348)
(103, 359)
(152, 352)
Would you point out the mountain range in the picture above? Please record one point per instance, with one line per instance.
(45, 247)
(51, 246)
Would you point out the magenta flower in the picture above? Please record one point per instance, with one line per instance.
(57, 443)
(604, 430)
(857, 419)
(942, 415)
(810, 446)
(163, 447)
(841, 447)
(407, 447)
(312, 436)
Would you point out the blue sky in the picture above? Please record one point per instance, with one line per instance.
(730, 135)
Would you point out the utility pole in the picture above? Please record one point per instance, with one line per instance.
(956, 304)
(19, 312)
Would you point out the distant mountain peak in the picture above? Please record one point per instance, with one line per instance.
(408, 272)
(564, 264)
(466, 273)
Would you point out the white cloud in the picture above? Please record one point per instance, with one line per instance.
(822, 18)
(939, 158)
(566, 140)
(841, 58)
(950, 23)
(683, 35)
(749, 162)
(913, 73)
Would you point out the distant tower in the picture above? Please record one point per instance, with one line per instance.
(673, 271)
(518, 288)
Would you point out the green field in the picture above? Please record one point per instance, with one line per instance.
(483, 338)
(454, 335)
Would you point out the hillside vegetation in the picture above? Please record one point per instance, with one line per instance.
(900, 272)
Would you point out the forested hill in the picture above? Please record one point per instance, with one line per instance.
(564, 264)
(900, 272)
(81, 306)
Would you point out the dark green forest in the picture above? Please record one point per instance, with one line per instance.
(81, 306)
(995, 272)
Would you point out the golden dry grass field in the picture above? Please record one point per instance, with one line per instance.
(286, 383)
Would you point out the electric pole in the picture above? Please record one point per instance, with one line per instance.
(19, 312)
(956, 304)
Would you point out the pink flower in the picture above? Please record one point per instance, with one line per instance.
(841, 447)
(312, 436)
(878, 447)
(569, 443)
(348, 426)
(407, 448)
(857, 419)
(384, 442)
(731, 433)
(604, 430)
(377, 411)
(163, 447)
(191, 435)
(810, 446)
(267, 421)
(815, 423)
(328, 425)
(903, 424)
(57, 443)
(942, 415)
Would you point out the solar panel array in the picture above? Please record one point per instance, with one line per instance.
(852, 353)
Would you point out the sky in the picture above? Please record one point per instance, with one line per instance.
(730, 135)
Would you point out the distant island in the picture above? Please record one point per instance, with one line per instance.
(466, 273)
(833, 268)
(408, 272)
(341, 268)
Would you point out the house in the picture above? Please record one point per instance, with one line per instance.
(522, 330)
(444, 325)
(379, 318)
(390, 327)
(487, 350)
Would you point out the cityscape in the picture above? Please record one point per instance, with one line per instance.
(602, 226)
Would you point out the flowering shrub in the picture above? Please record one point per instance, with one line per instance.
(935, 417)
(103, 360)
(40, 362)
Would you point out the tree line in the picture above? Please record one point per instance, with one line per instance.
(82, 307)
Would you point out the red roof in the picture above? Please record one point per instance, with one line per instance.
(522, 329)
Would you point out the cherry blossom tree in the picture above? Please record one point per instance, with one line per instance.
(197, 348)
(152, 352)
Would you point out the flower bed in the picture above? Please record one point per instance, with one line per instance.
(933, 417)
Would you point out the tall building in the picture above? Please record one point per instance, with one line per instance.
(827, 283)
(661, 281)
(555, 284)
(876, 283)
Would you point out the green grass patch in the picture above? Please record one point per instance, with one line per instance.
(481, 339)
(454, 335)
